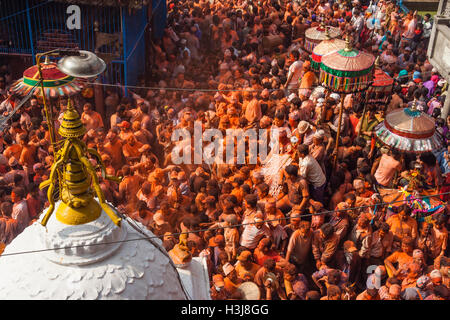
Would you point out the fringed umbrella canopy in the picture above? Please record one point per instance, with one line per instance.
(409, 130)
(56, 83)
(347, 70)
(325, 47)
(314, 35)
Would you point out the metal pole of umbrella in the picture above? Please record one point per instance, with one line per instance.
(48, 113)
(49, 116)
(78, 63)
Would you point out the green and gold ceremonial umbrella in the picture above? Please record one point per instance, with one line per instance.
(346, 71)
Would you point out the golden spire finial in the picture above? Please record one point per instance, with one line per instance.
(78, 181)
(69, 104)
(71, 125)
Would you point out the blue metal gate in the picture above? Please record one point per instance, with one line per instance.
(31, 26)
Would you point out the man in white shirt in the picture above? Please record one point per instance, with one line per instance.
(357, 23)
(427, 26)
(8, 104)
(253, 233)
(20, 208)
(311, 170)
(295, 71)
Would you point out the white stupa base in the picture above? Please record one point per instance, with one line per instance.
(195, 279)
(96, 260)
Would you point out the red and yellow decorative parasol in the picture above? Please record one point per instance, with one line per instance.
(381, 88)
(327, 46)
(315, 35)
(347, 70)
(409, 130)
(56, 83)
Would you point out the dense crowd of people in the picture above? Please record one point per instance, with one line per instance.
(314, 233)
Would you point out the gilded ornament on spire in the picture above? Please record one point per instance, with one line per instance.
(71, 125)
(75, 177)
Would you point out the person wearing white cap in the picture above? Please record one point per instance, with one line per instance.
(441, 83)
(344, 122)
(231, 280)
(304, 132)
(335, 96)
(257, 177)
(317, 93)
(254, 231)
(436, 277)
(318, 148)
(291, 97)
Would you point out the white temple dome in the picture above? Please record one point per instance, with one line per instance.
(100, 261)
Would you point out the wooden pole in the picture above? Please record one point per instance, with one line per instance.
(364, 113)
(99, 99)
(338, 130)
(48, 111)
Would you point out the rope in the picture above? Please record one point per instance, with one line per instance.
(228, 90)
(3, 121)
(222, 227)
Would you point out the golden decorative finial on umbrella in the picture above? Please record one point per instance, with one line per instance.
(327, 33)
(322, 25)
(47, 60)
(377, 62)
(348, 44)
(78, 179)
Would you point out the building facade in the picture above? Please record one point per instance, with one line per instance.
(115, 30)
